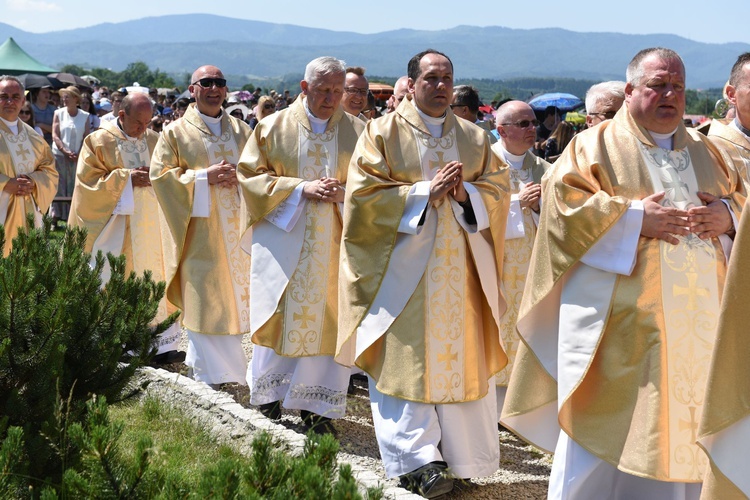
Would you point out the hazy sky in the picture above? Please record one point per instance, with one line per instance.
(693, 19)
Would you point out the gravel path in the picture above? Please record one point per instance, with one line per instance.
(523, 474)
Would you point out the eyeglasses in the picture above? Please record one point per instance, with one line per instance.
(608, 115)
(24, 112)
(355, 91)
(522, 123)
(206, 83)
(268, 106)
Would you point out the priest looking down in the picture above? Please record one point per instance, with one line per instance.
(293, 174)
(516, 128)
(28, 178)
(620, 309)
(113, 199)
(422, 251)
(193, 171)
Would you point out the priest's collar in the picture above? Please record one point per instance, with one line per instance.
(210, 119)
(434, 125)
(664, 141)
(515, 161)
(13, 126)
(739, 126)
(318, 124)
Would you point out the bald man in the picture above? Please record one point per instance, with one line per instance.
(400, 89)
(516, 127)
(113, 199)
(193, 171)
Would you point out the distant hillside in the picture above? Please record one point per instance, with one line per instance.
(261, 49)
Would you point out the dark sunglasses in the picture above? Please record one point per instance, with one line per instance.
(206, 83)
(522, 123)
(268, 106)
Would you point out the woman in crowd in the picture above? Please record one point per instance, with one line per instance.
(266, 106)
(27, 116)
(69, 127)
(44, 111)
(87, 104)
(558, 141)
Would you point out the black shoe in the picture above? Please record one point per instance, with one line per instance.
(271, 410)
(430, 480)
(169, 357)
(317, 423)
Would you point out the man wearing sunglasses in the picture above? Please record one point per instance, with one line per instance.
(193, 171)
(28, 177)
(293, 172)
(426, 207)
(603, 100)
(516, 124)
(619, 323)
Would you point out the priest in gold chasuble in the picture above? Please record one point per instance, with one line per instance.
(515, 124)
(622, 298)
(725, 427)
(419, 302)
(193, 172)
(293, 175)
(28, 178)
(113, 199)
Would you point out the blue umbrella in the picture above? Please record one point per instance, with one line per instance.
(563, 102)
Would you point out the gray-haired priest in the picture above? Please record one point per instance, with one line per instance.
(293, 173)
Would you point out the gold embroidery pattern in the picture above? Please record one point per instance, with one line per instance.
(228, 203)
(690, 302)
(20, 150)
(305, 302)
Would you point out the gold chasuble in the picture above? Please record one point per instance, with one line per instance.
(420, 312)
(295, 274)
(725, 428)
(207, 272)
(104, 166)
(630, 372)
(25, 153)
(516, 256)
(734, 144)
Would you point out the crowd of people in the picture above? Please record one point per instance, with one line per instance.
(566, 284)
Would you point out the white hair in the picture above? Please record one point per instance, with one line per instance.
(604, 91)
(11, 78)
(323, 66)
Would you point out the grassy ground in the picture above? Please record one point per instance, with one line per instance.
(182, 448)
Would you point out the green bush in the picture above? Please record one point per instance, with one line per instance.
(63, 339)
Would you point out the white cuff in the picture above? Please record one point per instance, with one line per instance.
(480, 211)
(126, 203)
(286, 215)
(201, 195)
(615, 252)
(514, 227)
(416, 202)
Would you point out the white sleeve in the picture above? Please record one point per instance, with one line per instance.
(615, 252)
(514, 227)
(201, 195)
(480, 211)
(126, 203)
(416, 204)
(286, 215)
(726, 241)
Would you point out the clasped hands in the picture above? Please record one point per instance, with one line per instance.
(22, 185)
(449, 180)
(223, 173)
(665, 223)
(139, 177)
(327, 189)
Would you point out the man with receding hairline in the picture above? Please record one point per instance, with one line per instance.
(400, 89)
(603, 100)
(734, 138)
(620, 308)
(354, 100)
(422, 246)
(113, 199)
(193, 171)
(515, 122)
(28, 178)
